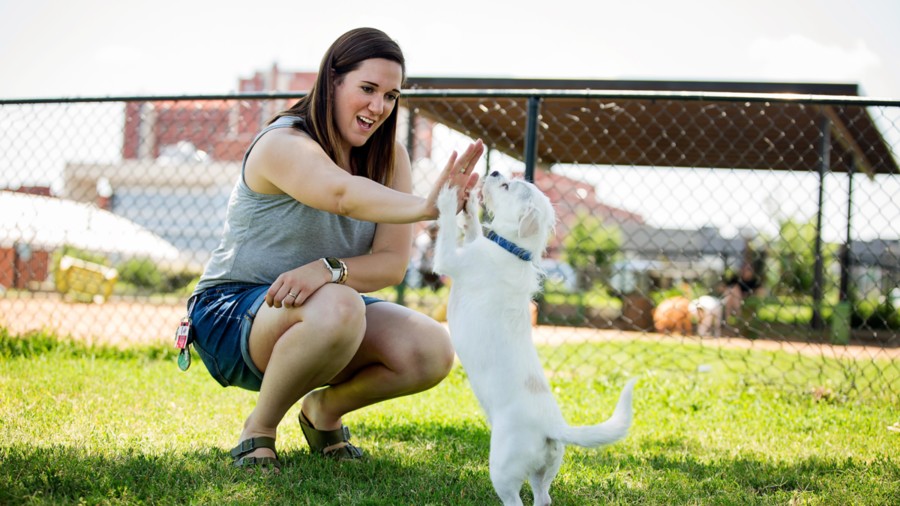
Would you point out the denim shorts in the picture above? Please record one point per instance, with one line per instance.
(221, 319)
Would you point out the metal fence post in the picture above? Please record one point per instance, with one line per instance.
(534, 105)
(818, 322)
(845, 251)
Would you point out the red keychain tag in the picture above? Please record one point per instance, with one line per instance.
(181, 335)
(183, 339)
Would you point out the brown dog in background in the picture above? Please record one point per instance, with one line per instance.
(673, 314)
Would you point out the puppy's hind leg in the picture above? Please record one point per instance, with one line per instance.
(507, 465)
(507, 488)
(543, 478)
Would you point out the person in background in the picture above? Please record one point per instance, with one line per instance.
(321, 214)
(738, 287)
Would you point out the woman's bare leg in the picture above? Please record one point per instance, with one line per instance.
(300, 349)
(403, 352)
(366, 354)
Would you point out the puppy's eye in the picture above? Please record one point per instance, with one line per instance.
(505, 186)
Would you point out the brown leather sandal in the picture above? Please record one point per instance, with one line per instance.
(319, 440)
(249, 445)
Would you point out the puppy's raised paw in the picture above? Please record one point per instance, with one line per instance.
(447, 200)
(472, 204)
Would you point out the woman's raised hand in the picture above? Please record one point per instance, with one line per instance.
(459, 173)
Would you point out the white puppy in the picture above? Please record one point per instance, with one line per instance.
(493, 280)
(708, 311)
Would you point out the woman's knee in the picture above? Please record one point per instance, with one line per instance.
(433, 355)
(340, 313)
(331, 323)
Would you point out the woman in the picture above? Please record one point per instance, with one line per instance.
(322, 213)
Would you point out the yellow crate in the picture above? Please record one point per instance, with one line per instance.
(85, 279)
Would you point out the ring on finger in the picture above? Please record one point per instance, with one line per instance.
(294, 295)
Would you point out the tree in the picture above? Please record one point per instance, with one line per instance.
(795, 255)
(591, 247)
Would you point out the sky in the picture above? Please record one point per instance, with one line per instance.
(66, 48)
(99, 48)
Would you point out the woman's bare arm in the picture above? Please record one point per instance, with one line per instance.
(287, 161)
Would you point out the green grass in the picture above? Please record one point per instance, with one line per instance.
(102, 426)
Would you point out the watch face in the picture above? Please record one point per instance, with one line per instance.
(333, 263)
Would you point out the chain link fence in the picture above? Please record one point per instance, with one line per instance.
(759, 231)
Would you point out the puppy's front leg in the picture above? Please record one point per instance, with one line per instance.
(472, 223)
(445, 244)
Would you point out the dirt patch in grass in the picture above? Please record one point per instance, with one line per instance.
(124, 323)
(118, 323)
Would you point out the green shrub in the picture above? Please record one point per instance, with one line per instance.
(141, 272)
(792, 314)
(144, 274)
(598, 296)
(182, 283)
(875, 315)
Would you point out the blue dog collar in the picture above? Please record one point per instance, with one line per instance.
(510, 246)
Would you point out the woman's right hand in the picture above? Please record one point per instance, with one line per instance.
(458, 172)
(293, 287)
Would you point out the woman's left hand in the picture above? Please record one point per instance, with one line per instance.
(459, 173)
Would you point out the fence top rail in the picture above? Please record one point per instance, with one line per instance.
(711, 96)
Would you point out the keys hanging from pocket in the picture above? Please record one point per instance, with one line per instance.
(182, 342)
(184, 359)
(182, 334)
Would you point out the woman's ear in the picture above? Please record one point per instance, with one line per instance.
(334, 77)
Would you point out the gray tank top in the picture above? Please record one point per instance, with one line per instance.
(267, 235)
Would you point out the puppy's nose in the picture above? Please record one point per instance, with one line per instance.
(495, 174)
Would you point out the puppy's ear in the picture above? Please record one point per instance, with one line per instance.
(530, 222)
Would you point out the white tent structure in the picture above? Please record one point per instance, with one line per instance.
(48, 223)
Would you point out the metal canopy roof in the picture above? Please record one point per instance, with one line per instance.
(774, 126)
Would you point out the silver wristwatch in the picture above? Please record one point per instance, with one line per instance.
(335, 267)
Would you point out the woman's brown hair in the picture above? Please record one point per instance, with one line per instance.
(375, 159)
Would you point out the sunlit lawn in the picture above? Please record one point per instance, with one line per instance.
(102, 426)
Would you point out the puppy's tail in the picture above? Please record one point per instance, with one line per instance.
(610, 431)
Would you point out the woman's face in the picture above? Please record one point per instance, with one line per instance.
(364, 98)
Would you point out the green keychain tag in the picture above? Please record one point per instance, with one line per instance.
(183, 338)
(184, 359)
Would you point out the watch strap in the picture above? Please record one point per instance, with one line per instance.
(344, 271)
(335, 273)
